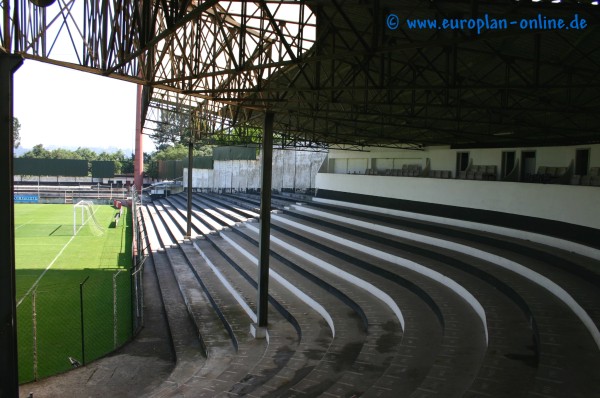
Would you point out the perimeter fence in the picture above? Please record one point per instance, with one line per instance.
(85, 315)
(140, 253)
(68, 325)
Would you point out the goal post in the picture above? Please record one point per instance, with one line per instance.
(83, 216)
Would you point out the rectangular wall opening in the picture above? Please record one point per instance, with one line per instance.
(527, 165)
(582, 161)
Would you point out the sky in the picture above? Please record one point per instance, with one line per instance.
(65, 108)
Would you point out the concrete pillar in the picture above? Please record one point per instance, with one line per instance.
(9, 376)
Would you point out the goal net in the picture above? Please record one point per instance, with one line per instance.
(84, 221)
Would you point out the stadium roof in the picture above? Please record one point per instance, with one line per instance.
(349, 73)
(366, 84)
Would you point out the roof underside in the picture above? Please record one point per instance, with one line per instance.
(334, 72)
(363, 84)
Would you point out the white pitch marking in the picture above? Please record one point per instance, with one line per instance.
(46, 270)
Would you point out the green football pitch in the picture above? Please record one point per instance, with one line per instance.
(72, 290)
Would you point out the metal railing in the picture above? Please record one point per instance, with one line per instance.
(65, 194)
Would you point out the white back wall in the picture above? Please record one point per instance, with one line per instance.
(442, 158)
(484, 157)
(572, 204)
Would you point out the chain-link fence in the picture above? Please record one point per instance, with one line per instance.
(139, 252)
(66, 326)
(85, 314)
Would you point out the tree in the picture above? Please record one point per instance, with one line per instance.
(60, 153)
(172, 129)
(239, 135)
(37, 152)
(109, 157)
(172, 152)
(85, 154)
(152, 168)
(176, 152)
(127, 164)
(16, 133)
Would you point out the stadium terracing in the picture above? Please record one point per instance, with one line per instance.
(361, 303)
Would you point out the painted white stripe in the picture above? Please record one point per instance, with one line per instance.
(503, 262)
(46, 270)
(160, 228)
(369, 287)
(434, 275)
(517, 233)
(227, 285)
(288, 285)
(205, 219)
(22, 225)
(214, 210)
(150, 231)
(233, 204)
(174, 221)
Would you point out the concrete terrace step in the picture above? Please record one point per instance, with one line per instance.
(381, 321)
(165, 212)
(294, 337)
(574, 264)
(555, 264)
(241, 205)
(453, 366)
(215, 374)
(470, 327)
(231, 352)
(417, 347)
(348, 322)
(202, 223)
(365, 362)
(502, 313)
(162, 230)
(277, 202)
(216, 342)
(527, 334)
(227, 206)
(523, 290)
(152, 238)
(295, 196)
(198, 214)
(215, 333)
(184, 335)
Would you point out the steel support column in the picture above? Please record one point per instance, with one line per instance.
(265, 221)
(9, 377)
(189, 190)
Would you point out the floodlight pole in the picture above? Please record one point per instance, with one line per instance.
(138, 162)
(265, 224)
(9, 377)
